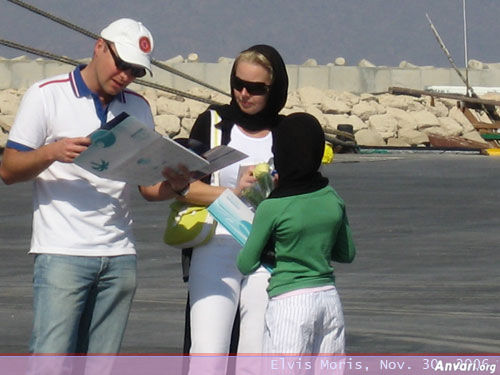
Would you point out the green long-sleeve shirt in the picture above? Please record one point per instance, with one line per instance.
(310, 230)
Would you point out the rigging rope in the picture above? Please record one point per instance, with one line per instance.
(95, 36)
(69, 61)
(138, 81)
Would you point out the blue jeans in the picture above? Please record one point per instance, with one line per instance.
(81, 304)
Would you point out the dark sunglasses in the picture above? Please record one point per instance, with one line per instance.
(253, 88)
(122, 65)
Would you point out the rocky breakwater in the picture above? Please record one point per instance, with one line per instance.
(377, 120)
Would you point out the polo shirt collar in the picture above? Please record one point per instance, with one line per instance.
(80, 87)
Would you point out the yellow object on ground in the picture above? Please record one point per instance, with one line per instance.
(493, 151)
(328, 154)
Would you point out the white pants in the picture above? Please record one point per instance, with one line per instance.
(215, 288)
(306, 323)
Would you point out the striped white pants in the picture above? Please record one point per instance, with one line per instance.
(305, 323)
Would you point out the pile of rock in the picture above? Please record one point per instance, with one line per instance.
(385, 119)
(9, 102)
(377, 120)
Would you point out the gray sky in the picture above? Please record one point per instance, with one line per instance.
(383, 31)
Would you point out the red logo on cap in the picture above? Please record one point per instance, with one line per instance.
(145, 44)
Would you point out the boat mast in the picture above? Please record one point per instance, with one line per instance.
(465, 50)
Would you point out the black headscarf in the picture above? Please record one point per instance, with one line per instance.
(268, 117)
(298, 146)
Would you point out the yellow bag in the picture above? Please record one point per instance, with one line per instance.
(191, 225)
(188, 226)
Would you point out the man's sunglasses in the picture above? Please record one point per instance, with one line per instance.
(253, 88)
(124, 66)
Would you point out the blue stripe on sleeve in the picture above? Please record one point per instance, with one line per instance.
(18, 146)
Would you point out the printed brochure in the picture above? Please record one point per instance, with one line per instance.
(125, 149)
(233, 214)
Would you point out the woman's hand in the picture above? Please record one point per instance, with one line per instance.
(177, 179)
(175, 185)
(247, 179)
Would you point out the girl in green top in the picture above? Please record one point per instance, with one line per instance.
(306, 221)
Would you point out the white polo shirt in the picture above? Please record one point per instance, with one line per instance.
(75, 212)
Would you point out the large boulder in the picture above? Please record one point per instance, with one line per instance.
(186, 125)
(293, 100)
(438, 108)
(167, 125)
(424, 119)
(6, 122)
(172, 107)
(333, 106)
(397, 142)
(310, 95)
(9, 101)
(195, 108)
(449, 126)
(316, 112)
(458, 116)
(385, 125)
(151, 96)
(347, 97)
(369, 137)
(364, 110)
(404, 119)
(396, 101)
(413, 137)
(3, 139)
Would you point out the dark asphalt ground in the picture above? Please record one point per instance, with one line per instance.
(426, 278)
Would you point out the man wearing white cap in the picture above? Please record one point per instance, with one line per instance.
(85, 263)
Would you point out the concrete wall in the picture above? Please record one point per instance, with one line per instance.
(21, 72)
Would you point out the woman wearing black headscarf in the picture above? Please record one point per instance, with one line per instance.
(259, 86)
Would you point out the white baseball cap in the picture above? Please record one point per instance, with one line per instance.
(132, 40)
